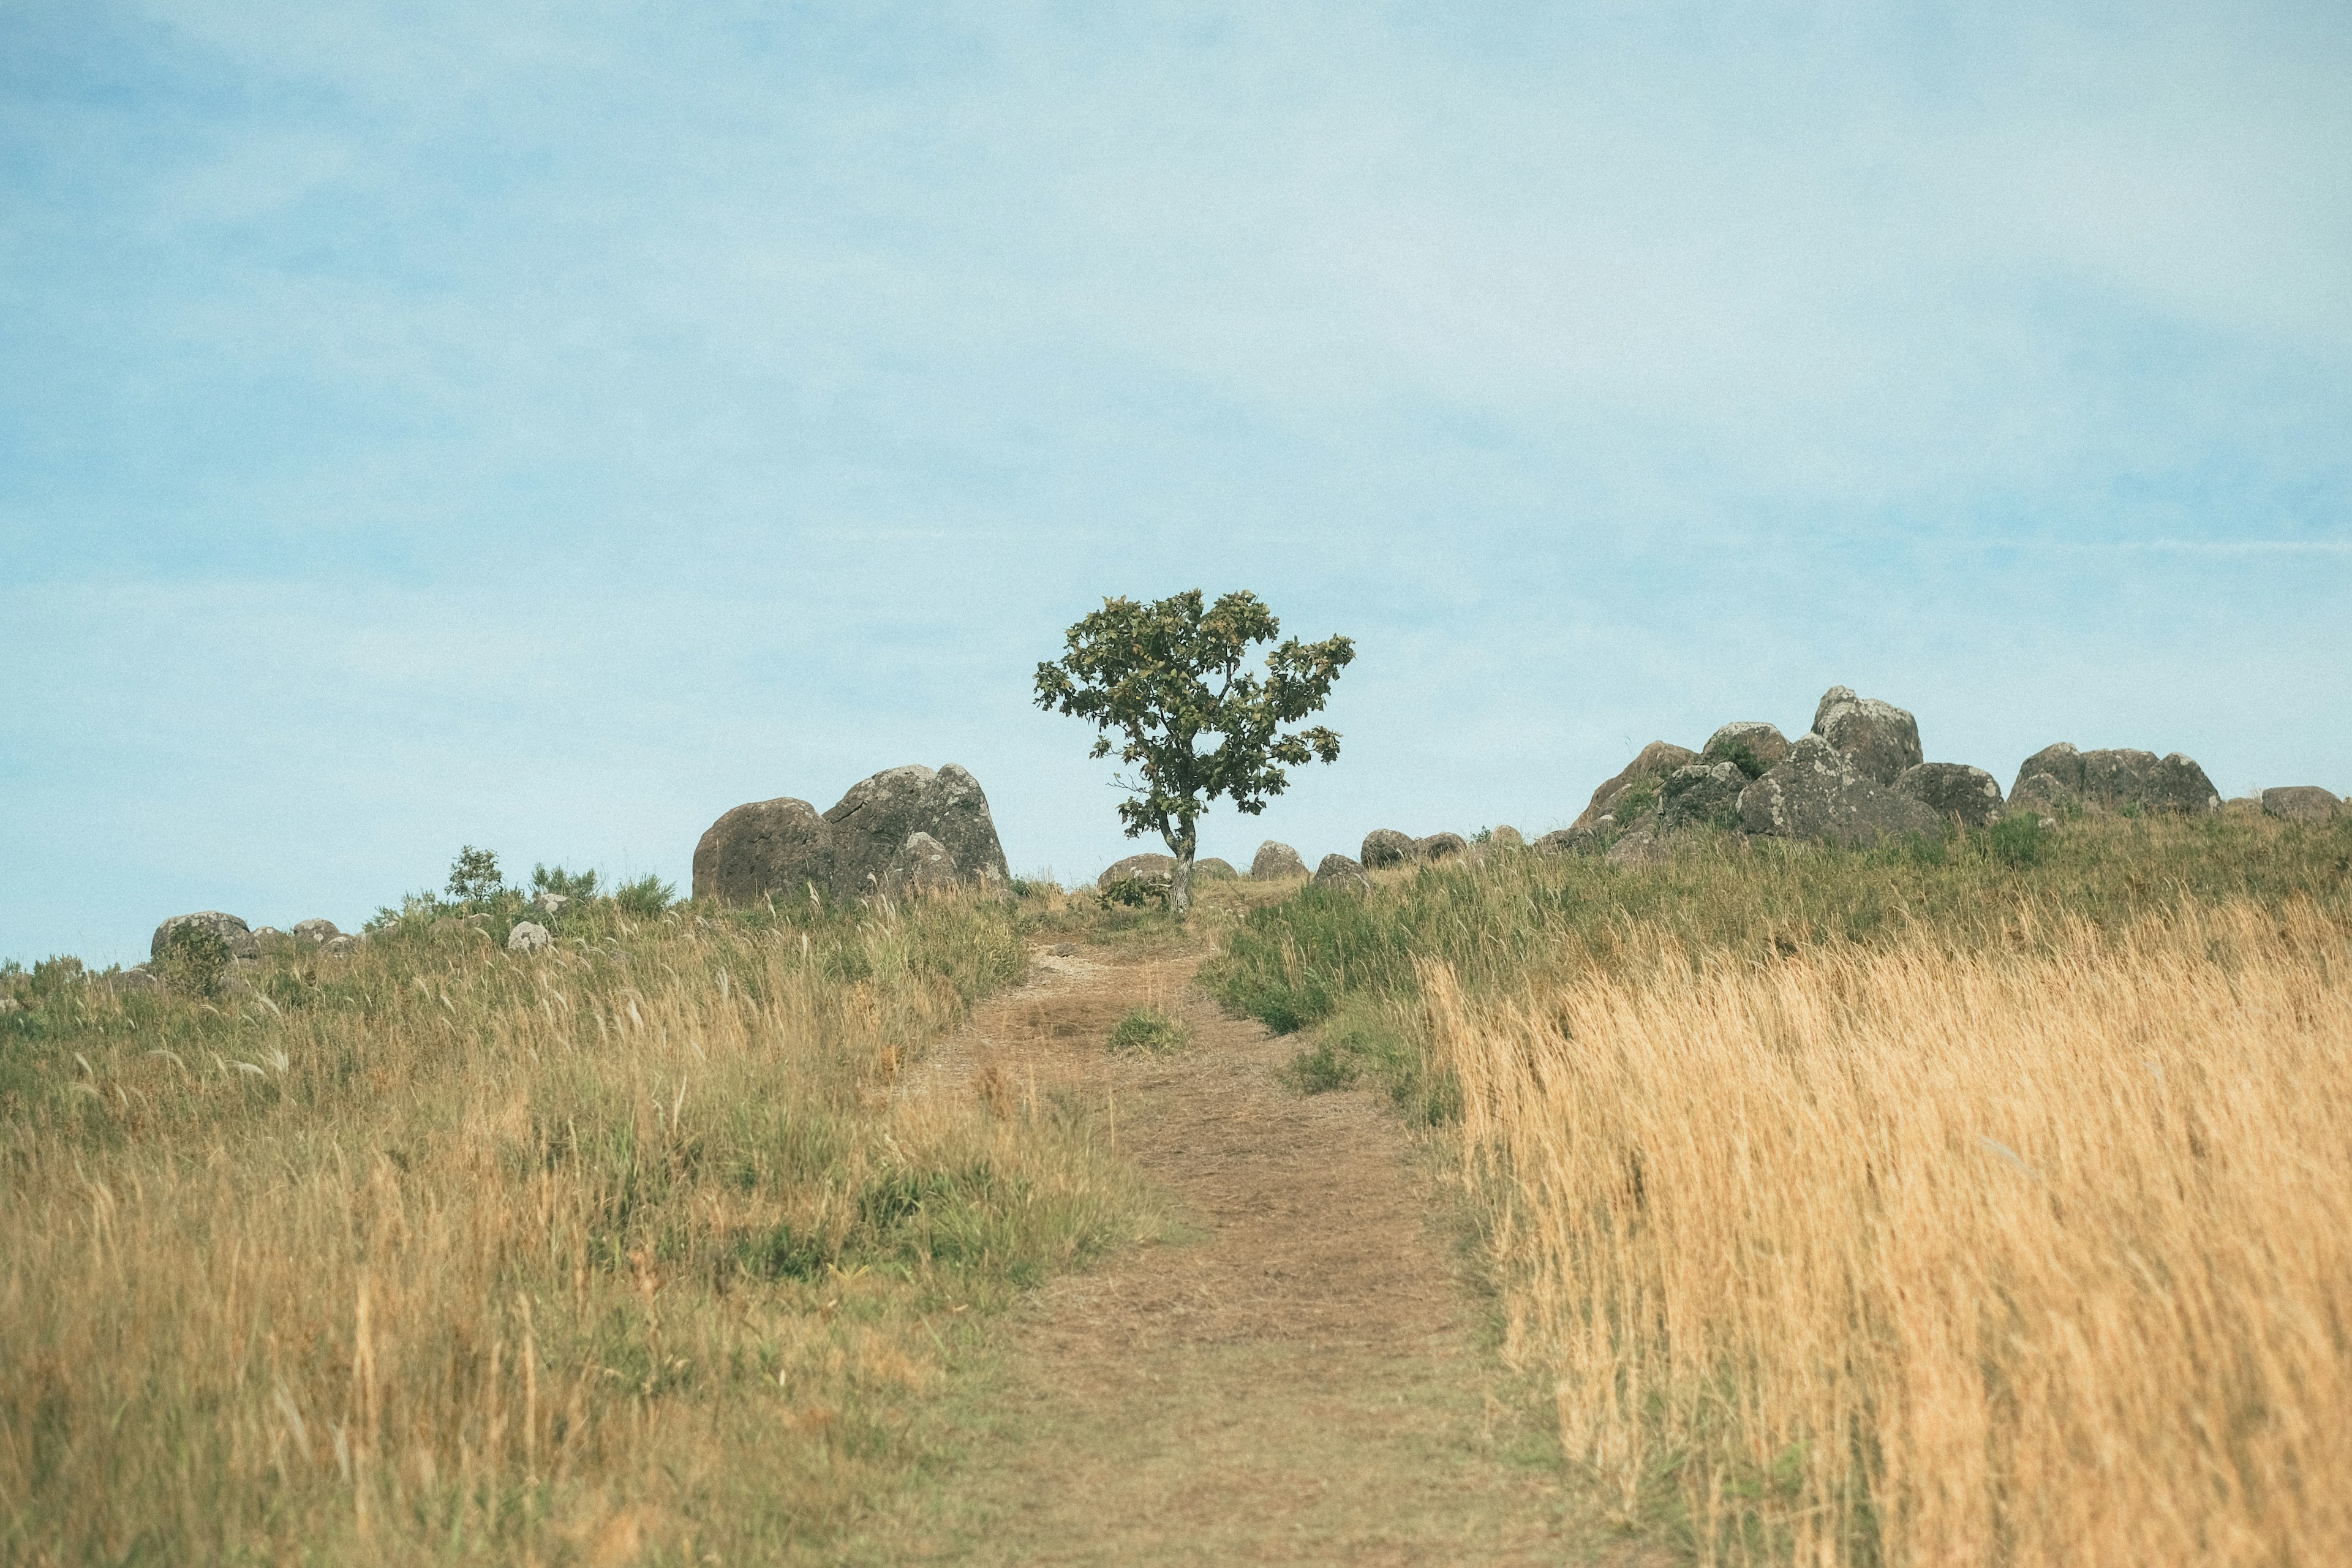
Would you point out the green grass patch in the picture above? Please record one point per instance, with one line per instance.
(1149, 1029)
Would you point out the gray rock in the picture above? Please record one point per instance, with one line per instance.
(1878, 739)
(1701, 793)
(2043, 793)
(1506, 837)
(1651, 766)
(528, 936)
(229, 928)
(1338, 871)
(138, 978)
(339, 946)
(778, 847)
(1215, 871)
(923, 865)
(872, 823)
(1764, 741)
(1574, 840)
(551, 903)
(1818, 795)
(269, 939)
(2118, 778)
(1955, 790)
(1386, 847)
(2302, 802)
(1439, 847)
(1639, 848)
(1142, 867)
(1274, 862)
(318, 932)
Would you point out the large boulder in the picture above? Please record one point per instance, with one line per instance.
(1650, 767)
(1140, 868)
(1818, 795)
(2302, 802)
(1275, 862)
(778, 849)
(1338, 871)
(1702, 792)
(1439, 847)
(1506, 837)
(1966, 794)
(1386, 847)
(1214, 870)
(1878, 739)
(228, 927)
(317, 932)
(2122, 777)
(866, 844)
(872, 824)
(2044, 793)
(1762, 742)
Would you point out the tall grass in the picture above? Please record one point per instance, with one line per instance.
(1940, 1251)
(442, 1254)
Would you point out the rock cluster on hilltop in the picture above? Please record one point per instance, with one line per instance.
(904, 829)
(1860, 775)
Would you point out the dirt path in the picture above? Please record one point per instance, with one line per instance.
(1297, 1379)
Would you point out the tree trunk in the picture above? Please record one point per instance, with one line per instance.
(1179, 881)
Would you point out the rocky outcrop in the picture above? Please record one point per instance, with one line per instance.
(1140, 869)
(1385, 846)
(1338, 871)
(1439, 847)
(1954, 790)
(1762, 743)
(228, 927)
(902, 827)
(2122, 777)
(528, 936)
(1817, 793)
(2302, 802)
(1275, 862)
(1650, 767)
(1878, 740)
(1701, 793)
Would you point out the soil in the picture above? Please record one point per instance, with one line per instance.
(1301, 1374)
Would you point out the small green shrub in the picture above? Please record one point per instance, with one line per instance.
(1149, 1029)
(647, 897)
(194, 961)
(1320, 1070)
(565, 884)
(1639, 800)
(1739, 755)
(1133, 893)
(2016, 840)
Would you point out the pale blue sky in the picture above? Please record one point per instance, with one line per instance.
(546, 427)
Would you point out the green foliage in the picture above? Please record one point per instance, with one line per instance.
(1639, 799)
(1149, 1029)
(1320, 1068)
(647, 897)
(1166, 677)
(580, 885)
(194, 961)
(1739, 755)
(1133, 892)
(473, 876)
(2016, 840)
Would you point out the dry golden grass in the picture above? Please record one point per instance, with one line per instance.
(625, 1250)
(1932, 1252)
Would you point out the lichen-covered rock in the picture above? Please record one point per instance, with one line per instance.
(1639, 848)
(1439, 847)
(228, 927)
(1275, 862)
(1573, 840)
(529, 936)
(1506, 837)
(1878, 739)
(317, 932)
(1818, 795)
(2045, 794)
(1338, 871)
(872, 824)
(1214, 870)
(339, 946)
(1701, 793)
(1385, 846)
(1762, 741)
(1955, 790)
(778, 849)
(1648, 768)
(2302, 802)
(1142, 868)
(2125, 778)
(137, 978)
(923, 865)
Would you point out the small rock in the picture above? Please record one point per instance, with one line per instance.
(2042, 792)
(1386, 847)
(1573, 840)
(229, 928)
(1967, 794)
(1275, 862)
(336, 946)
(1878, 739)
(528, 936)
(1144, 867)
(1637, 849)
(8, 1005)
(138, 978)
(1764, 743)
(1338, 871)
(924, 864)
(551, 903)
(317, 931)
(1439, 847)
(2302, 802)
(1063, 949)
(1215, 871)
(266, 939)
(1506, 837)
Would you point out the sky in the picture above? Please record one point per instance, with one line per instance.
(546, 427)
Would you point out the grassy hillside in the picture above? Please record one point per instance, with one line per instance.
(439, 1253)
(1988, 1201)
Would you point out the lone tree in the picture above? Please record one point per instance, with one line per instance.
(1193, 724)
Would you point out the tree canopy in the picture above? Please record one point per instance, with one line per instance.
(1167, 678)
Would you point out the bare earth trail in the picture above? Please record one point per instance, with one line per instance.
(1298, 1378)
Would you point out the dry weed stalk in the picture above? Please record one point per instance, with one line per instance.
(1932, 1255)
